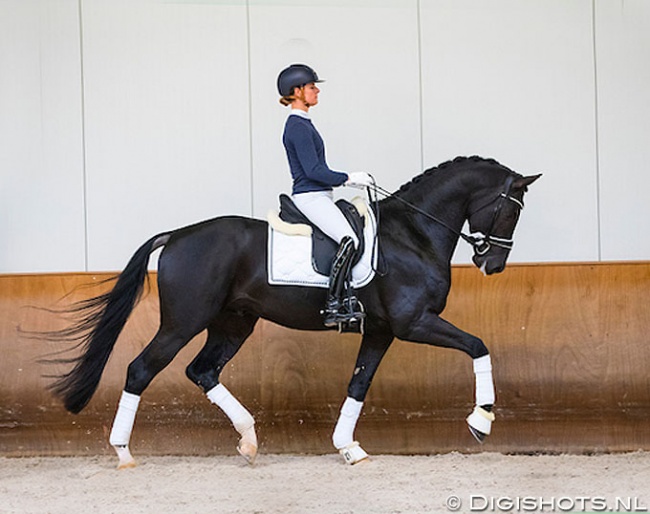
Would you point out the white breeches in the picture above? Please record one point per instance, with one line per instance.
(321, 210)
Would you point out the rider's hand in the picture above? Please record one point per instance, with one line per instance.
(359, 179)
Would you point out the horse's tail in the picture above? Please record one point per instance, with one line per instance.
(100, 321)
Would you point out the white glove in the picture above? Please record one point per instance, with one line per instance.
(359, 179)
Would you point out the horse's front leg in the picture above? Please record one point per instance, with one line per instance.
(373, 348)
(432, 329)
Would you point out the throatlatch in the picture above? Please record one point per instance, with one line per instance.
(344, 312)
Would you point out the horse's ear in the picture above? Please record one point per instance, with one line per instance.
(524, 182)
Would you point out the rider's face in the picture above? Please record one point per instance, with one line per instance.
(309, 94)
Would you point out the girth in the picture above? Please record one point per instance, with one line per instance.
(324, 247)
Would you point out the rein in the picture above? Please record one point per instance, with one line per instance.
(481, 243)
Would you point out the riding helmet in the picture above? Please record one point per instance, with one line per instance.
(296, 75)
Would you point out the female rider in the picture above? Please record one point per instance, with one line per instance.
(313, 181)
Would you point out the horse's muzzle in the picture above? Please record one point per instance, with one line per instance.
(491, 263)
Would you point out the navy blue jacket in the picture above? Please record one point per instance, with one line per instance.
(306, 154)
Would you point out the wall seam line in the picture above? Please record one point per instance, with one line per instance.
(83, 139)
(596, 131)
(420, 88)
(250, 108)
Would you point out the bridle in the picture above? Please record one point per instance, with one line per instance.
(481, 243)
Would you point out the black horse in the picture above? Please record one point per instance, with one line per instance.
(213, 276)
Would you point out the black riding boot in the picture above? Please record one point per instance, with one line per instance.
(339, 310)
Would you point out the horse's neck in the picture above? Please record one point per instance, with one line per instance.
(444, 196)
(444, 199)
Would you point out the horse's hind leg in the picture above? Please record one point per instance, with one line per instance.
(153, 359)
(225, 338)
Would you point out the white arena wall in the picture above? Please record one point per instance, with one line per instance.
(120, 119)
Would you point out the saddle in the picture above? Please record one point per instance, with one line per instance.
(324, 247)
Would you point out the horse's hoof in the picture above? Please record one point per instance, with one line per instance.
(127, 465)
(126, 459)
(480, 423)
(478, 435)
(248, 451)
(353, 453)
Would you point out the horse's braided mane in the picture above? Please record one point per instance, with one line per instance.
(447, 164)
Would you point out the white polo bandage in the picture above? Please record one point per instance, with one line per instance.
(241, 419)
(344, 431)
(484, 383)
(124, 419)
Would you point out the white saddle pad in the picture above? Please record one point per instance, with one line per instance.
(289, 255)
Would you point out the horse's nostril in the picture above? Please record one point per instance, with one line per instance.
(496, 269)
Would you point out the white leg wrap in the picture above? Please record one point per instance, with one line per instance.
(241, 419)
(484, 383)
(344, 432)
(124, 419)
(236, 412)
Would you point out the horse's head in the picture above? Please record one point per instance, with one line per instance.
(492, 220)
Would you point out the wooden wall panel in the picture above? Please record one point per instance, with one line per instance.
(569, 345)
